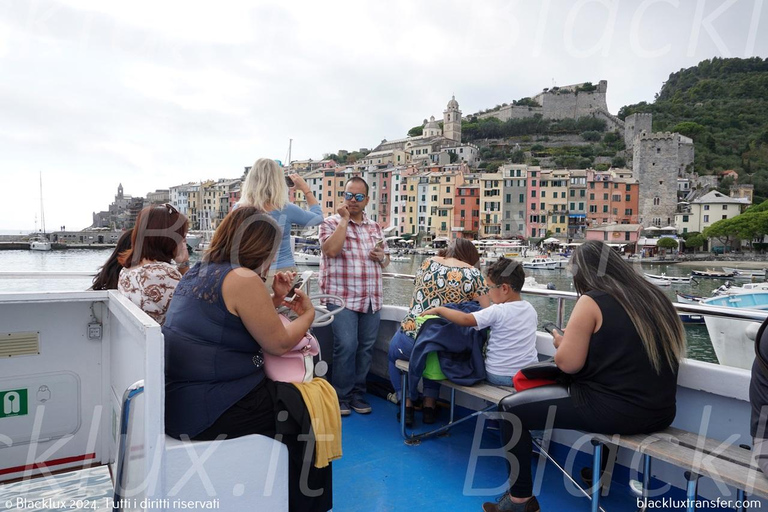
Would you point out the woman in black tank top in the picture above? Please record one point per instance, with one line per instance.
(622, 348)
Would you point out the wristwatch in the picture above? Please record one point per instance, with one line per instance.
(183, 264)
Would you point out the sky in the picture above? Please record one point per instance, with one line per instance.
(154, 94)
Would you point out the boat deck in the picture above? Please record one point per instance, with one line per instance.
(378, 472)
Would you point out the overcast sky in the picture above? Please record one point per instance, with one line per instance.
(153, 94)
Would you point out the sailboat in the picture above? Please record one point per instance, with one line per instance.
(40, 242)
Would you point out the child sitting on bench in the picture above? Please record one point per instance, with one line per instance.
(513, 321)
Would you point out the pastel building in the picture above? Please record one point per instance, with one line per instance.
(577, 204)
(490, 205)
(612, 199)
(514, 204)
(708, 209)
(466, 220)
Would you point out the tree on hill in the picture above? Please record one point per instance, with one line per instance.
(416, 131)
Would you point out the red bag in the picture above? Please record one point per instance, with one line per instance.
(521, 382)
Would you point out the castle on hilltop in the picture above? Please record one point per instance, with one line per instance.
(566, 102)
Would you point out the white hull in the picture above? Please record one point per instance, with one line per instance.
(308, 260)
(729, 339)
(541, 264)
(400, 258)
(657, 282)
(746, 272)
(40, 245)
(671, 279)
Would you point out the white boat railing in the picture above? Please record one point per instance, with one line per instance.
(561, 296)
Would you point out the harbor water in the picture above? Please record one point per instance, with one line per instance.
(396, 291)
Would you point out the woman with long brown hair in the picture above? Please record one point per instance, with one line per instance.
(220, 323)
(622, 348)
(109, 273)
(448, 278)
(149, 278)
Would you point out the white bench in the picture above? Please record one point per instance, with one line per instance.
(245, 473)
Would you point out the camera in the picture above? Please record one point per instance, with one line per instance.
(289, 181)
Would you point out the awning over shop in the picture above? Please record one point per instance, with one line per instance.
(577, 215)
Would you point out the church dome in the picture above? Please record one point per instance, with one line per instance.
(453, 103)
(432, 124)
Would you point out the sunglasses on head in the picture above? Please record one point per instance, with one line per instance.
(168, 206)
(358, 197)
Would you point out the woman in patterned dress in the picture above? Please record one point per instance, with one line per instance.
(149, 278)
(448, 278)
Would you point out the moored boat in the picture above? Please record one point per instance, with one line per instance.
(540, 264)
(657, 281)
(306, 259)
(671, 279)
(712, 274)
(733, 340)
(746, 272)
(686, 298)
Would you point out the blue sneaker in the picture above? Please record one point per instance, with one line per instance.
(360, 406)
(344, 408)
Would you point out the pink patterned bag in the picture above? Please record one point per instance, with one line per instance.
(297, 365)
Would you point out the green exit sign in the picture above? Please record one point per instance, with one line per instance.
(13, 403)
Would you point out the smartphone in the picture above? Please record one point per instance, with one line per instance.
(380, 243)
(551, 327)
(289, 181)
(299, 284)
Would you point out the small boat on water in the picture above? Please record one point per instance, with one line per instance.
(40, 243)
(306, 259)
(399, 258)
(657, 281)
(746, 272)
(711, 274)
(541, 264)
(671, 279)
(685, 298)
(727, 289)
(689, 318)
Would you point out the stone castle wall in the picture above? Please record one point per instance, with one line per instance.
(634, 125)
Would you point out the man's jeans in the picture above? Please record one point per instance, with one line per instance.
(354, 335)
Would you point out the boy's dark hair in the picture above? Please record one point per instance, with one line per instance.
(357, 179)
(506, 271)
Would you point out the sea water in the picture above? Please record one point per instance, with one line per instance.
(396, 291)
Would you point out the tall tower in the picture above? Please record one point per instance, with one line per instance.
(634, 126)
(452, 121)
(120, 191)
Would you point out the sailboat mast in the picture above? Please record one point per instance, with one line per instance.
(42, 211)
(290, 143)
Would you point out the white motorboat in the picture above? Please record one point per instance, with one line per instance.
(733, 339)
(40, 243)
(541, 264)
(306, 259)
(657, 281)
(685, 298)
(727, 289)
(745, 272)
(712, 274)
(671, 279)
(399, 258)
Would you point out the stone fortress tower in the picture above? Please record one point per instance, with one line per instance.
(658, 159)
(452, 121)
(634, 125)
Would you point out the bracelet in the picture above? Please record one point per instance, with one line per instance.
(183, 264)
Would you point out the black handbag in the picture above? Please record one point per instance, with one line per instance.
(546, 370)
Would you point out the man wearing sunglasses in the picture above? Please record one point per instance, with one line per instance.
(350, 267)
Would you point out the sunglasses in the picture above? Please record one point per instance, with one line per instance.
(168, 206)
(358, 197)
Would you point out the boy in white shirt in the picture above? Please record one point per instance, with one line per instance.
(513, 322)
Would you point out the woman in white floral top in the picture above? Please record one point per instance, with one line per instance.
(449, 278)
(149, 279)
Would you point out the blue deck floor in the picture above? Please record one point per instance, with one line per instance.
(379, 472)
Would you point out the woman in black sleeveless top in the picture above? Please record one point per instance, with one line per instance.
(622, 349)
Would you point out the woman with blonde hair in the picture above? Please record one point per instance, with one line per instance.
(266, 188)
(622, 349)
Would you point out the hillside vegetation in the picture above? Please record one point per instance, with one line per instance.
(722, 104)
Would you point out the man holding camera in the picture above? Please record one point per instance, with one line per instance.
(352, 258)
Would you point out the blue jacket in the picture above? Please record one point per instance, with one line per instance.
(459, 349)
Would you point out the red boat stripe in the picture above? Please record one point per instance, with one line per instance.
(54, 462)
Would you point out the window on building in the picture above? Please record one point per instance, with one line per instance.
(543, 193)
(591, 197)
(521, 199)
(725, 216)
(616, 198)
(706, 207)
(627, 198)
(706, 218)
(626, 236)
(628, 211)
(725, 207)
(605, 184)
(533, 193)
(541, 206)
(605, 197)
(605, 208)
(592, 208)
(591, 184)
(509, 198)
